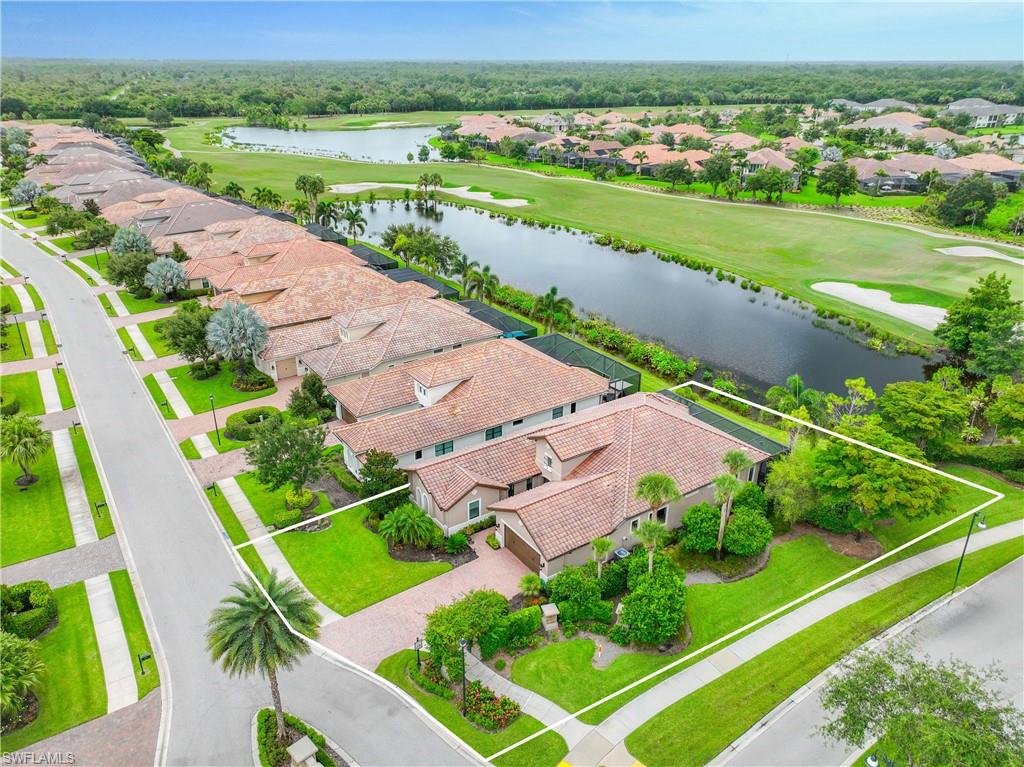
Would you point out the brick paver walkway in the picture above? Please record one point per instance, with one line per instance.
(201, 423)
(135, 319)
(31, 364)
(380, 630)
(62, 419)
(70, 565)
(220, 466)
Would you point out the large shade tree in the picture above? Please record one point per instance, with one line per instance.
(237, 333)
(247, 636)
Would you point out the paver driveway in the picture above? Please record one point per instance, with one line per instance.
(380, 630)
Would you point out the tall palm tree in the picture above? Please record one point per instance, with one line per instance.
(23, 441)
(650, 534)
(726, 488)
(265, 197)
(247, 636)
(355, 222)
(792, 397)
(601, 548)
(483, 283)
(233, 189)
(639, 158)
(656, 490)
(462, 267)
(548, 307)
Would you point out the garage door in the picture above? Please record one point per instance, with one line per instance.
(526, 553)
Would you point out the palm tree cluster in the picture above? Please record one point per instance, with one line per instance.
(427, 186)
(23, 441)
(550, 308)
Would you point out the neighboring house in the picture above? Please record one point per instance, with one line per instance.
(584, 119)
(164, 226)
(59, 174)
(612, 117)
(459, 399)
(165, 198)
(903, 122)
(769, 158)
(901, 173)
(994, 166)
(658, 155)
(881, 105)
(557, 487)
(793, 144)
(108, 187)
(680, 130)
(936, 136)
(551, 123)
(985, 113)
(734, 141)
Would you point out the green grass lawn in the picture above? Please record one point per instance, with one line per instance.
(14, 353)
(63, 389)
(150, 331)
(37, 302)
(225, 445)
(8, 298)
(67, 244)
(197, 393)
(564, 673)
(135, 631)
(236, 533)
(35, 519)
(105, 303)
(93, 487)
(29, 218)
(96, 261)
(25, 388)
(544, 751)
(9, 269)
(695, 729)
(347, 567)
(158, 396)
(73, 689)
(783, 249)
(45, 248)
(139, 305)
(70, 264)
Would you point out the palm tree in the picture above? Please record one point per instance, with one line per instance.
(657, 490)
(408, 524)
(483, 283)
(233, 189)
(639, 158)
(312, 186)
(601, 548)
(549, 307)
(247, 635)
(650, 534)
(726, 488)
(23, 441)
(789, 399)
(462, 267)
(582, 149)
(355, 222)
(237, 332)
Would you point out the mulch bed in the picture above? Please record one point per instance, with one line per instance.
(291, 735)
(414, 554)
(330, 487)
(311, 511)
(28, 715)
(866, 548)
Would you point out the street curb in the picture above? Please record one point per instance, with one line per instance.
(818, 681)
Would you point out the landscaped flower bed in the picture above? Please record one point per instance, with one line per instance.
(489, 710)
(274, 754)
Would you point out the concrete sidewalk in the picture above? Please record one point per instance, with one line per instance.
(118, 671)
(174, 399)
(34, 334)
(48, 388)
(201, 423)
(82, 524)
(140, 342)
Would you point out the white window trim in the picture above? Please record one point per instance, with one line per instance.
(479, 509)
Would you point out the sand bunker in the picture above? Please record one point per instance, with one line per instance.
(976, 251)
(457, 191)
(922, 315)
(390, 124)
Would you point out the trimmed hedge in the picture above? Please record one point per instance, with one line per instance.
(512, 631)
(602, 611)
(27, 608)
(835, 518)
(285, 517)
(10, 406)
(430, 679)
(999, 458)
(241, 426)
(274, 754)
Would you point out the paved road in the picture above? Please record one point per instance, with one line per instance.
(981, 626)
(185, 566)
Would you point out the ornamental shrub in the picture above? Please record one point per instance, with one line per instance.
(747, 533)
(430, 679)
(200, 371)
(997, 458)
(492, 541)
(456, 544)
(273, 753)
(834, 517)
(10, 406)
(470, 617)
(487, 709)
(576, 585)
(285, 517)
(701, 523)
(654, 610)
(248, 378)
(27, 608)
(298, 500)
(613, 579)
(241, 426)
(751, 497)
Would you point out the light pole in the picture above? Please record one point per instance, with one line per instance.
(462, 644)
(418, 645)
(216, 428)
(980, 519)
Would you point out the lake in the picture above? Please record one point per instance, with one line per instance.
(757, 336)
(370, 145)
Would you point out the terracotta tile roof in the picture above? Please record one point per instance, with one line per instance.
(990, 163)
(191, 216)
(293, 340)
(626, 439)
(936, 135)
(401, 329)
(735, 141)
(680, 129)
(905, 122)
(267, 260)
(239, 236)
(495, 382)
(165, 199)
(659, 154)
(58, 175)
(793, 143)
(771, 158)
(107, 187)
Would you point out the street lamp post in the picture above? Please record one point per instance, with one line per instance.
(216, 428)
(980, 519)
(418, 645)
(462, 644)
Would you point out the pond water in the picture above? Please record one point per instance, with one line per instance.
(762, 341)
(370, 145)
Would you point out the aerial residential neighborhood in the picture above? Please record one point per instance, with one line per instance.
(427, 386)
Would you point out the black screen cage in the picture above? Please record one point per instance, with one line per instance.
(622, 379)
(725, 424)
(510, 327)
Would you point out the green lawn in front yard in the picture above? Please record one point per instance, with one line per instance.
(73, 266)
(93, 487)
(14, 352)
(29, 218)
(564, 672)
(67, 244)
(544, 751)
(236, 533)
(694, 730)
(35, 519)
(197, 393)
(9, 299)
(139, 305)
(347, 566)
(135, 631)
(25, 388)
(73, 690)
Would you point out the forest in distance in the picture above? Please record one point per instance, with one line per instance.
(58, 89)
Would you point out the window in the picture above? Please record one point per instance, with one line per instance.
(662, 514)
(493, 433)
(547, 461)
(557, 412)
(511, 489)
(572, 408)
(456, 346)
(529, 484)
(634, 524)
(517, 422)
(474, 508)
(419, 454)
(438, 351)
(444, 448)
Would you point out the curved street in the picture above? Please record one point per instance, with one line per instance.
(184, 565)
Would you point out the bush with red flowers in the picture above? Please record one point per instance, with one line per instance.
(488, 709)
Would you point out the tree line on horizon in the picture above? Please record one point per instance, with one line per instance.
(68, 89)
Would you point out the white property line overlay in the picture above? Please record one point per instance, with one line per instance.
(996, 497)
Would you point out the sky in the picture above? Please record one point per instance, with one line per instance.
(718, 30)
